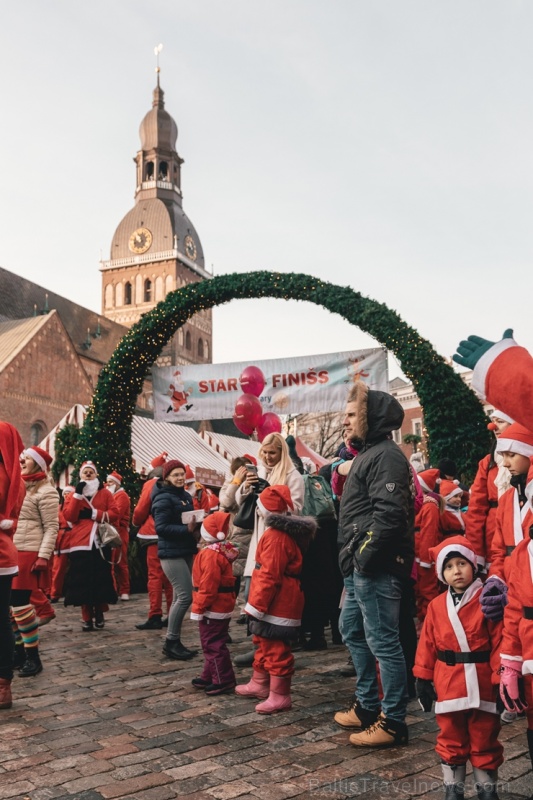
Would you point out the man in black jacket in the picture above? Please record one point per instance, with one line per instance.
(376, 516)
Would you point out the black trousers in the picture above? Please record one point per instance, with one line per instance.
(7, 641)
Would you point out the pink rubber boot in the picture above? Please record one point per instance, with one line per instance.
(279, 698)
(257, 687)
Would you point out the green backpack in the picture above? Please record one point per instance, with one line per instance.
(318, 499)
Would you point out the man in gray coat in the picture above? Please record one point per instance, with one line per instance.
(376, 522)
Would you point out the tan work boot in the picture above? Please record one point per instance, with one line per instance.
(356, 717)
(383, 733)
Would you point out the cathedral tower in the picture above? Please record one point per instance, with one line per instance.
(155, 248)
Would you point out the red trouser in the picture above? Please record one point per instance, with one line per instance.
(41, 604)
(88, 612)
(426, 589)
(157, 583)
(470, 736)
(59, 568)
(121, 570)
(273, 656)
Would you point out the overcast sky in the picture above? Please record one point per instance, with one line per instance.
(385, 145)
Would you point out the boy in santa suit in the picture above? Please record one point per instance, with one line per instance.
(122, 506)
(514, 514)
(158, 582)
(427, 535)
(452, 522)
(456, 666)
(213, 601)
(60, 563)
(198, 492)
(276, 600)
(516, 680)
(491, 481)
(503, 374)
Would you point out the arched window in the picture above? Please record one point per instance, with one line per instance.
(149, 171)
(163, 171)
(158, 289)
(37, 433)
(169, 284)
(180, 337)
(127, 293)
(108, 296)
(119, 295)
(148, 291)
(188, 341)
(200, 348)
(206, 349)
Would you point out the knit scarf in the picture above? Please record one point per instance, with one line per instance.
(226, 549)
(35, 476)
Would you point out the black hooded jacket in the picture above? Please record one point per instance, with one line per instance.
(377, 503)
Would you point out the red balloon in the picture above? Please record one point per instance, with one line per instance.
(252, 381)
(242, 427)
(248, 410)
(269, 423)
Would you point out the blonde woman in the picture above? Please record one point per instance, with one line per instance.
(274, 466)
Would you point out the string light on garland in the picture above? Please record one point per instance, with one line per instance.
(453, 416)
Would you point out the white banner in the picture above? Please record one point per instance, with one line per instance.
(292, 385)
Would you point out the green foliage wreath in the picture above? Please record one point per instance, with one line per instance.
(454, 418)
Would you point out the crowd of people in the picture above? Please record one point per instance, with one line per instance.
(427, 582)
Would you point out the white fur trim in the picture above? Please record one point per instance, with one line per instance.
(527, 667)
(497, 414)
(458, 548)
(514, 446)
(6, 525)
(463, 704)
(519, 659)
(196, 616)
(9, 570)
(206, 536)
(482, 367)
(218, 614)
(286, 621)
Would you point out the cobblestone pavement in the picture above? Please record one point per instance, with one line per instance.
(111, 717)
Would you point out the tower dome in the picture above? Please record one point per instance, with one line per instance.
(158, 128)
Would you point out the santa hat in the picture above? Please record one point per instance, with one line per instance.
(452, 547)
(275, 500)
(40, 456)
(168, 466)
(215, 527)
(189, 474)
(68, 489)
(449, 489)
(159, 461)
(90, 464)
(250, 458)
(500, 415)
(429, 479)
(114, 476)
(516, 439)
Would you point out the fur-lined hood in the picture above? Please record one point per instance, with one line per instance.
(301, 529)
(378, 413)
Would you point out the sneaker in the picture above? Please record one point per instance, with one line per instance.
(200, 683)
(356, 717)
(124, 597)
(152, 624)
(508, 716)
(99, 621)
(87, 626)
(383, 733)
(220, 688)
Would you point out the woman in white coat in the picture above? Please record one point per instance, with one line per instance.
(276, 467)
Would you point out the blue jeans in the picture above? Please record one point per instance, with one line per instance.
(369, 625)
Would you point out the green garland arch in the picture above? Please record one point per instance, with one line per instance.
(454, 418)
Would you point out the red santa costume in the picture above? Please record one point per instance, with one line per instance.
(517, 641)
(504, 377)
(157, 580)
(89, 581)
(452, 522)
(198, 492)
(213, 601)
(12, 491)
(427, 535)
(276, 600)
(514, 514)
(60, 563)
(458, 651)
(122, 507)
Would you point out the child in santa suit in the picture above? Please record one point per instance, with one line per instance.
(457, 665)
(427, 535)
(516, 681)
(452, 521)
(276, 600)
(491, 481)
(213, 601)
(119, 556)
(60, 562)
(198, 492)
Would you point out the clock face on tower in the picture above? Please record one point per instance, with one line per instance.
(140, 240)
(190, 248)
